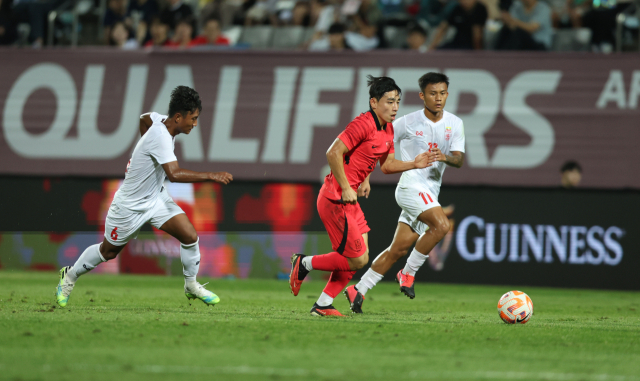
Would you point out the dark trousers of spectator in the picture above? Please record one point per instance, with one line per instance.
(35, 14)
(517, 39)
(602, 23)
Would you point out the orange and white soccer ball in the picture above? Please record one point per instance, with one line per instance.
(515, 307)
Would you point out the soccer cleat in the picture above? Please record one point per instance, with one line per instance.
(65, 286)
(355, 299)
(199, 292)
(324, 311)
(298, 273)
(406, 284)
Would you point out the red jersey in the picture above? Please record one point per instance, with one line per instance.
(366, 144)
(202, 40)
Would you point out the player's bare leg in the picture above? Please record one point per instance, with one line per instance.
(88, 260)
(403, 239)
(182, 229)
(439, 226)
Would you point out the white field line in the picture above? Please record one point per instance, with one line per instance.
(333, 373)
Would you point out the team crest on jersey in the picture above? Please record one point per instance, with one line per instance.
(447, 133)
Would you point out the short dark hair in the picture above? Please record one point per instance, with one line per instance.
(418, 29)
(337, 28)
(432, 78)
(378, 86)
(570, 166)
(184, 100)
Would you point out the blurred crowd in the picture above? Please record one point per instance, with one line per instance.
(358, 25)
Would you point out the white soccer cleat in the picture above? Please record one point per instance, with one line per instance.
(198, 291)
(65, 286)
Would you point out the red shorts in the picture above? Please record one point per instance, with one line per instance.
(345, 224)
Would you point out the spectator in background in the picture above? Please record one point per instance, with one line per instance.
(527, 26)
(417, 39)
(121, 36)
(140, 13)
(8, 32)
(183, 34)
(434, 12)
(159, 34)
(115, 13)
(211, 36)
(301, 14)
(364, 25)
(571, 174)
(468, 17)
(175, 11)
(34, 13)
(335, 41)
(568, 13)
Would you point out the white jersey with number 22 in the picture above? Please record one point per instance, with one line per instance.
(415, 134)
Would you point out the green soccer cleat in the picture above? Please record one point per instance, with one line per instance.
(199, 292)
(65, 286)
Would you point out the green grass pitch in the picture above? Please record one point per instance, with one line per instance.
(142, 328)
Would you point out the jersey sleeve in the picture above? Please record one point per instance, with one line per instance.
(157, 118)
(392, 149)
(355, 132)
(399, 130)
(457, 141)
(162, 149)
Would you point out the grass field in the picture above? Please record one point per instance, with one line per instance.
(142, 328)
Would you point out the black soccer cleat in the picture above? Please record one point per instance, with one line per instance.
(355, 299)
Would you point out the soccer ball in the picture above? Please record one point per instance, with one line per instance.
(515, 307)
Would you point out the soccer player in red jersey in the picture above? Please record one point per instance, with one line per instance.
(352, 157)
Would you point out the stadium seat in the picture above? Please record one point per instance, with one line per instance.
(571, 40)
(288, 37)
(258, 37)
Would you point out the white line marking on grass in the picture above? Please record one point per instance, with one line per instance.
(334, 373)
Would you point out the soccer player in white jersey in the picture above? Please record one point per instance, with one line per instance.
(142, 198)
(422, 219)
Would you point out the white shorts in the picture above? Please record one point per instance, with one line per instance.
(414, 201)
(123, 225)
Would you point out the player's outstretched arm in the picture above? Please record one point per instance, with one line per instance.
(145, 123)
(175, 174)
(456, 159)
(390, 165)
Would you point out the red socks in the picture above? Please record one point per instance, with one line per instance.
(337, 282)
(330, 262)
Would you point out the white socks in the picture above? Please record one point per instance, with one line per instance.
(324, 300)
(369, 279)
(190, 257)
(306, 262)
(414, 262)
(88, 261)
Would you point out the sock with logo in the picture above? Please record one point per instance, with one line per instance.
(190, 257)
(87, 261)
(368, 281)
(330, 262)
(414, 262)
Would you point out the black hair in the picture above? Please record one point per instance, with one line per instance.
(432, 78)
(184, 100)
(418, 29)
(570, 166)
(378, 86)
(337, 28)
